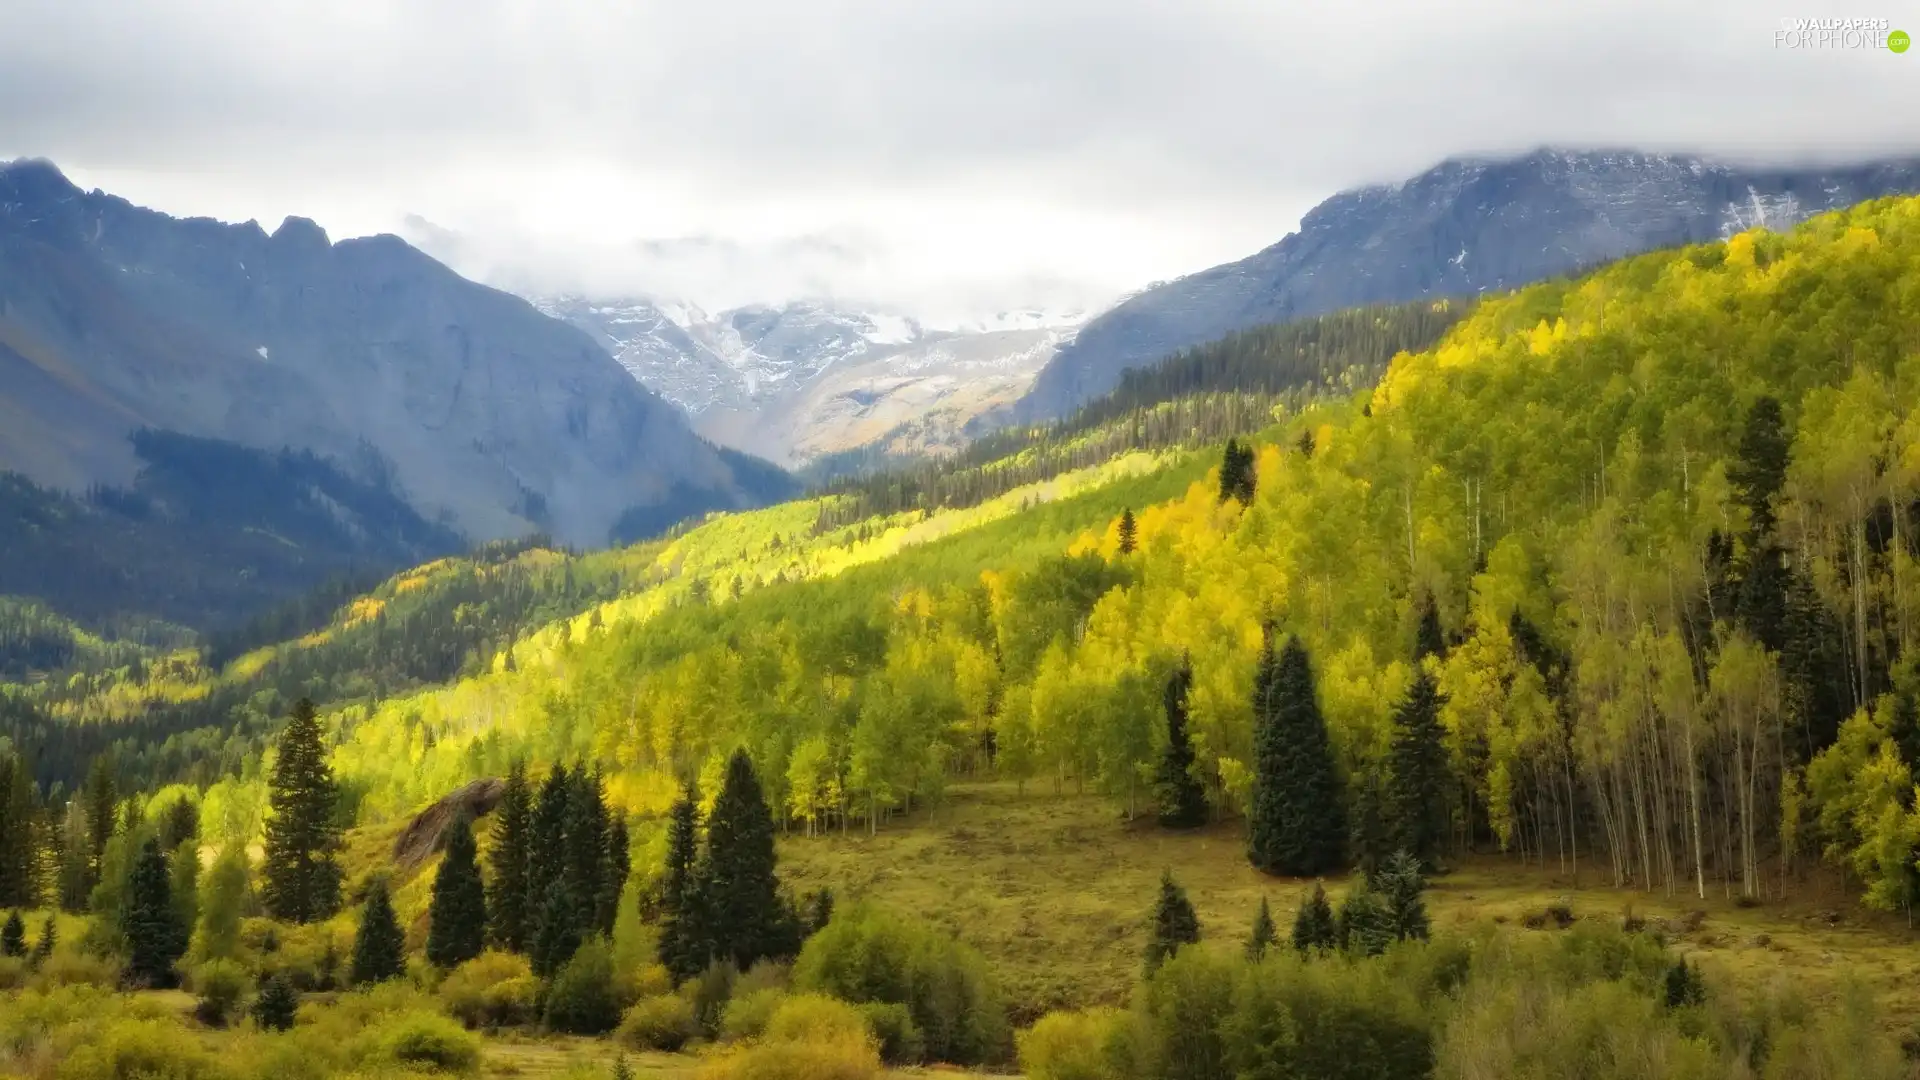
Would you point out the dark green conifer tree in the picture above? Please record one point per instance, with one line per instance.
(1401, 889)
(745, 919)
(43, 945)
(300, 877)
(819, 909)
(1369, 839)
(149, 923)
(1759, 468)
(1364, 924)
(1183, 804)
(507, 913)
(1264, 933)
(20, 847)
(1174, 923)
(1298, 822)
(179, 824)
(103, 818)
(547, 840)
(1417, 772)
(458, 913)
(1683, 986)
(1313, 925)
(1428, 638)
(379, 948)
(684, 942)
(13, 935)
(586, 847)
(183, 866)
(557, 929)
(613, 876)
(1237, 472)
(1129, 532)
(277, 1004)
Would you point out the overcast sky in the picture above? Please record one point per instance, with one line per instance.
(937, 155)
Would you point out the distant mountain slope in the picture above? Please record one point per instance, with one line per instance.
(1463, 227)
(209, 533)
(794, 381)
(482, 412)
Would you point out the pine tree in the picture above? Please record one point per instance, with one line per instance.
(19, 835)
(684, 942)
(1237, 473)
(1364, 924)
(1264, 932)
(1759, 468)
(1183, 805)
(819, 909)
(1369, 839)
(1428, 638)
(586, 839)
(1401, 890)
(507, 897)
(277, 1004)
(557, 929)
(1683, 986)
(745, 919)
(183, 868)
(1417, 773)
(613, 876)
(1129, 532)
(1174, 923)
(1313, 925)
(458, 913)
(13, 936)
(547, 840)
(1298, 824)
(179, 824)
(379, 948)
(302, 878)
(1305, 444)
(149, 922)
(103, 818)
(43, 945)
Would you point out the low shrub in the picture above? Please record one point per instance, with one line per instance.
(631, 983)
(796, 1061)
(581, 1000)
(662, 1022)
(494, 989)
(431, 1041)
(709, 992)
(817, 1018)
(71, 968)
(747, 1014)
(1074, 1046)
(220, 985)
(141, 1050)
(892, 1025)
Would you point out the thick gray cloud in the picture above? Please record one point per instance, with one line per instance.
(942, 150)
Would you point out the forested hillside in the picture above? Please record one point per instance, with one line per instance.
(1614, 583)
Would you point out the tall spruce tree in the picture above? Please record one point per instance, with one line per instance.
(1183, 804)
(301, 879)
(1759, 468)
(558, 929)
(1298, 822)
(1174, 923)
(19, 835)
(1428, 638)
(547, 840)
(1365, 925)
(1264, 933)
(13, 935)
(1401, 889)
(684, 943)
(43, 945)
(379, 948)
(1313, 925)
(507, 897)
(149, 923)
(1129, 532)
(102, 818)
(179, 823)
(586, 839)
(745, 918)
(1417, 772)
(1237, 472)
(457, 929)
(613, 877)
